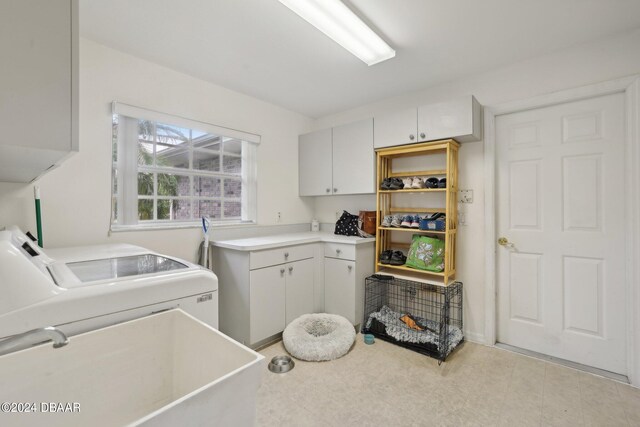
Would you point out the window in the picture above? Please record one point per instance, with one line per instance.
(170, 170)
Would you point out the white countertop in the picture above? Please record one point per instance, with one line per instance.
(282, 240)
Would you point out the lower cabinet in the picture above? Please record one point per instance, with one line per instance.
(262, 291)
(339, 288)
(266, 302)
(345, 269)
(299, 289)
(277, 295)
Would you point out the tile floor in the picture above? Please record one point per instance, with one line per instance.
(386, 385)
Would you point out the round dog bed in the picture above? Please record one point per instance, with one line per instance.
(318, 337)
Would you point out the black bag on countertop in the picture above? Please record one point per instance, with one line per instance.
(347, 225)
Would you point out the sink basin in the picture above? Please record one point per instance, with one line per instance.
(168, 369)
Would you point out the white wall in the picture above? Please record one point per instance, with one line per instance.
(76, 196)
(577, 66)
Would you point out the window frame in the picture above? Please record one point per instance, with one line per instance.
(124, 187)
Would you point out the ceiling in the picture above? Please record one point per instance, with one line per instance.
(262, 49)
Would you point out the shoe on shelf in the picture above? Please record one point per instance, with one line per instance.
(431, 182)
(395, 184)
(442, 183)
(407, 182)
(415, 223)
(385, 184)
(396, 221)
(397, 258)
(385, 257)
(386, 221)
(417, 182)
(406, 221)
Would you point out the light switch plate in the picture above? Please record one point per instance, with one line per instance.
(465, 196)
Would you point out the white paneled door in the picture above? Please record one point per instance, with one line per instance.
(561, 207)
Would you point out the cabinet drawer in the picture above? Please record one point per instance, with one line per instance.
(340, 251)
(267, 257)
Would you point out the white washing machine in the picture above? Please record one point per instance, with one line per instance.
(84, 288)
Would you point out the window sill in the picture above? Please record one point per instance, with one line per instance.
(177, 226)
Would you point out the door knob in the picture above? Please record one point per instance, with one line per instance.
(412, 137)
(335, 190)
(338, 251)
(350, 267)
(290, 270)
(282, 271)
(422, 135)
(286, 254)
(503, 241)
(328, 190)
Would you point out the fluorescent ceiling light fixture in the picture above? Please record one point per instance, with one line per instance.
(338, 22)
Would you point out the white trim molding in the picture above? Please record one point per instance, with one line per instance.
(474, 337)
(630, 86)
(156, 116)
(632, 93)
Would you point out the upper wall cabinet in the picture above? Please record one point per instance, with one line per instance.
(459, 119)
(315, 163)
(396, 128)
(337, 161)
(354, 158)
(38, 87)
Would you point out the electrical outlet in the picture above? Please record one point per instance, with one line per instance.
(279, 217)
(462, 218)
(465, 196)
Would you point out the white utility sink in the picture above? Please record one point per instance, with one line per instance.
(168, 369)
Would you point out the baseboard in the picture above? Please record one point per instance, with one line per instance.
(474, 337)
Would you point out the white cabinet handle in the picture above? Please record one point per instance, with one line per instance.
(328, 190)
(282, 271)
(338, 251)
(286, 254)
(290, 270)
(350, 267)
(335, 190)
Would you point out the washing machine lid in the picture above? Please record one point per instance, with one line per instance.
(126, 266)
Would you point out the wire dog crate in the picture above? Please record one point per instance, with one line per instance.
(419, 316)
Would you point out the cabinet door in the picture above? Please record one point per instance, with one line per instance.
(266, 302)
(36, 86)
(314, 163)
(458, 119)
(354, 158)
(300, 280)
(397, 128)
(339, 288)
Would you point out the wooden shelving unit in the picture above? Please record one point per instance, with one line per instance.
(385, 205)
